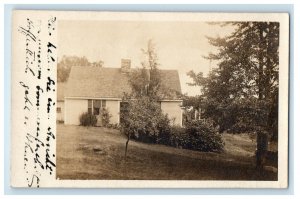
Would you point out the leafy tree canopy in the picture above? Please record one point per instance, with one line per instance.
(246, 77)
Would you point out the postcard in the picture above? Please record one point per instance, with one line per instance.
(149, 100)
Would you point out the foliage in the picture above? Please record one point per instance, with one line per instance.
(87, 119)
(176, 137)
(202, 137)
(243, 89)
(192, 101)
(144, 119)
(196, 136)
(65, 64)
(151, 62)
(114, 126)
(248, 59)
(139, 81)
(147, 80)
(105, 117)
(250, 117)
(193, 108)
(157, 129)
(164, 129)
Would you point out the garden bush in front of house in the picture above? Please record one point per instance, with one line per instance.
(87, 119)
(177, 137)
(203, 137)
(105, 117)
(144, 121)
(197, 136)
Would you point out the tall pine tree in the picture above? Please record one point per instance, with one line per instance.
(243, 90)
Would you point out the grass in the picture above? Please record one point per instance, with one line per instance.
(98, 153)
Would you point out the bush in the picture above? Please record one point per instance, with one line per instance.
(164, 130)
(157, 131)
(87, 119)
(143, 120)
(203, 137)
(178, 137)
(105, 117)
(197, 136)
(115, 126)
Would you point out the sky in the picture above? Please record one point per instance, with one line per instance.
(179, 45)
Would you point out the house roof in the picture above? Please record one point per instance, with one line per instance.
(96, 82)
(61, 87)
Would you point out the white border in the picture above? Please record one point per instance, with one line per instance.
(153, 16)
(295, 112)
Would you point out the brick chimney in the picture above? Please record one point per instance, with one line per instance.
(125, 65)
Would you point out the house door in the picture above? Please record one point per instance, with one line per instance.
(97, 111)
(95, 107)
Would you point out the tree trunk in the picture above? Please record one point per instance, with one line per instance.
(261, 65)
(126, 146)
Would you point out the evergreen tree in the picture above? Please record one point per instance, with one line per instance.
(247, 74)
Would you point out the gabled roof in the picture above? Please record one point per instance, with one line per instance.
(61, 87)
(96, 82)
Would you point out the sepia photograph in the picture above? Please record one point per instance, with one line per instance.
(167, 100)
(149, 100)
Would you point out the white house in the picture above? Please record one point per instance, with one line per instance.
(91, 88)
(60, 102)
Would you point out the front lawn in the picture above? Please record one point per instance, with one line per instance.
(98, 153)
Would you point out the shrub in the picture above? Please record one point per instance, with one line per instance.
(143, 120)
(105, 117)
(87, 119)
(116, 126)
(203, 137)
(197, 136)
(164, 130)
(178, 137)
(157, 131)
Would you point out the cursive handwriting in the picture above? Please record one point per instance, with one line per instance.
(39, 86)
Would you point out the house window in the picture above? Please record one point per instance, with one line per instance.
(90, 102)
(103, 103)
(58, 110)
(95, 106)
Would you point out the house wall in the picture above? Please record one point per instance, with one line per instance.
(173, 109)
(113, 107)
(73, 109)
(60, 116)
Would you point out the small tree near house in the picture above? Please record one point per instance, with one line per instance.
(143, 114)
(142, 120)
